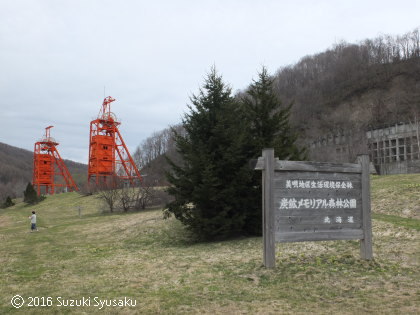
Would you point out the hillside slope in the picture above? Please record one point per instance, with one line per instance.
(16, 167)
(373, 82)
(149, 260)
(352, 88)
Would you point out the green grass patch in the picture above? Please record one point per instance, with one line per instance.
(405, 222)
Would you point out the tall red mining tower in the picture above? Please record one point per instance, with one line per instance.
(108, 154)
(48, 164)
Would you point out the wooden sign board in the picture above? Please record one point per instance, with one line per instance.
(312, 201)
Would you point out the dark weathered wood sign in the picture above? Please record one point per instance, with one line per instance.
(314, 201)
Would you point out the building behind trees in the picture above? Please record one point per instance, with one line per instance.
(392, 149)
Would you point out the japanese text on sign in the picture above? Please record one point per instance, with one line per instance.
(307, 203)
(329, 184)
(339, 219)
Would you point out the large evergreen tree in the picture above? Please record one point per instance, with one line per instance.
(210, 188)
(216, 193)
(268, 126)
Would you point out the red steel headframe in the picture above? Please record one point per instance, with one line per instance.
(48, 164)
(108, 154)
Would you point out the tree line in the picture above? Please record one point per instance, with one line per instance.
(150, 155)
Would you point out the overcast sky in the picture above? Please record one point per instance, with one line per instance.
(56, 56)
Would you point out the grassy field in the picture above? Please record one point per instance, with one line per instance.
(397, 195)
(152, 261)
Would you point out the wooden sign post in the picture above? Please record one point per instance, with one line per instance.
(314, 201)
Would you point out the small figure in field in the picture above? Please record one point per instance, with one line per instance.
(33, 221)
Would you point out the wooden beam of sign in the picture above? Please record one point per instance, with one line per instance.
(281, 165)
(317, 167)
(319, 236)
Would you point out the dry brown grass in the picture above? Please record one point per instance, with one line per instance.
(142, 256)
(397, 195)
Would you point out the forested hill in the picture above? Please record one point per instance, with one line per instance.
(354, 86)
(347, 89)
(16, 167)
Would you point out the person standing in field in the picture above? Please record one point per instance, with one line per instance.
(33, 222)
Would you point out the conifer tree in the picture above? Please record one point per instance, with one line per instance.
(268, 119)
(268, 126)
(210, 187)
(29, 195)
(8, 202)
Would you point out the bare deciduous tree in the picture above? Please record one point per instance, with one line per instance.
(109, 191)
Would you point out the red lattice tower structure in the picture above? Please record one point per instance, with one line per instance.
(108, 154)
(48, 165)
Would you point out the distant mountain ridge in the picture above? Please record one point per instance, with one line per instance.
(16, 166)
